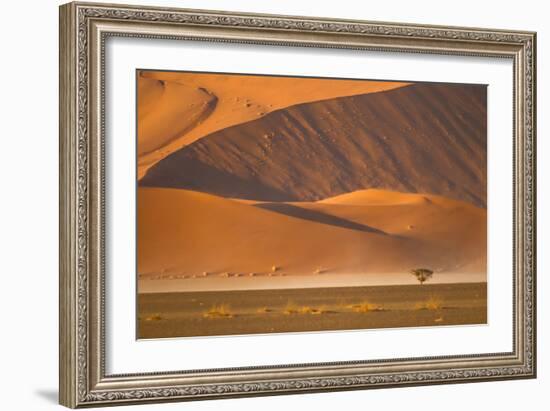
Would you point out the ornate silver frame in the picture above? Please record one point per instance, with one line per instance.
(84, 27)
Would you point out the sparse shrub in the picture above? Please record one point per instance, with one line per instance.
(219, 311)
(153, 317)
(291, 308)
(264, 310)
(307, 310)
(422, 274)
(314, 310)
(365, 307)
(432, 303)
(321, 310)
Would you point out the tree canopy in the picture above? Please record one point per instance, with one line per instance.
(422, 274)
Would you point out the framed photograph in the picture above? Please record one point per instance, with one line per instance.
(260, 204)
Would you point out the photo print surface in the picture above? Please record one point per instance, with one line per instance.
(271, 204)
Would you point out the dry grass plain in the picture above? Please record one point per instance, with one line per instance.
(182, 314)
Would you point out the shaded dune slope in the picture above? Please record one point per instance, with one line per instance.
(186, 232)
(421, 138)
(177, 108)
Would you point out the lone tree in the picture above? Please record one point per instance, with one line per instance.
(422, 274)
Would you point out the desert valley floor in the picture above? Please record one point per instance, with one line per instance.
(310, 309)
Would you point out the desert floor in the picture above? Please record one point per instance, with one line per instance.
(189, 314)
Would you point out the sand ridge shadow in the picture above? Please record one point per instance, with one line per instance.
(301, 153)
(184, 172)
(318, 216)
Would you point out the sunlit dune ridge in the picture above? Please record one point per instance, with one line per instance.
(421, 138)
(177, 108)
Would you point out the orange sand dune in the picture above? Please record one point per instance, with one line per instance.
(161, 119)
(372, 197)
(182, 232)
(453, 228)
(422, 138)
(176, 109)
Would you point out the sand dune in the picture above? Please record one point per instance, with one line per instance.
(421, 138)
(176, 109)
(455, 230)
(182, 233)
(373, 197)
(161, 120)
